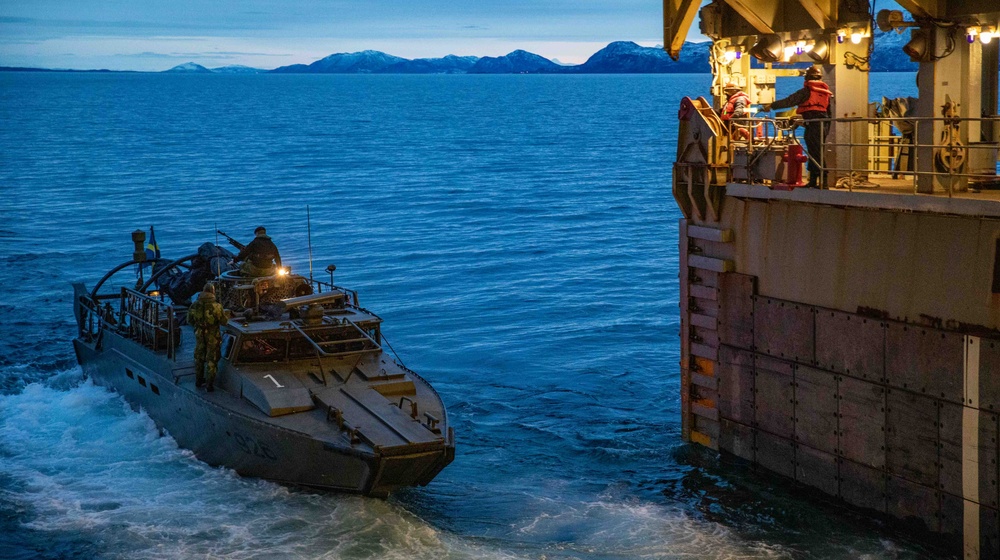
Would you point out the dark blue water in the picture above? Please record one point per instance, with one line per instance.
(515, 232)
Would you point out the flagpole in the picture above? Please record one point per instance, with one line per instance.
(309, 235)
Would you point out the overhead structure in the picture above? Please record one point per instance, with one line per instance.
(847, 337)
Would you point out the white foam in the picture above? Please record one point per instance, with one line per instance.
(81, 461)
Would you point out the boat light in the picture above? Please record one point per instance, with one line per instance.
(729, 55)
(841, 34)
(857, 35)
(739, 53)
(282, 271)
(970, 34)
(986, 35)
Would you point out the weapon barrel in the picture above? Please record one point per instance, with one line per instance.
(232, 241)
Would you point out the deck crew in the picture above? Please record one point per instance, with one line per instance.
(813, 102)
(260, 256)
(736, 105)
(206, 316)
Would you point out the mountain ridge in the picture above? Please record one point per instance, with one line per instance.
(618, 57)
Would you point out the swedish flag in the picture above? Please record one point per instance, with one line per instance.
(152, 249)
(152, 252)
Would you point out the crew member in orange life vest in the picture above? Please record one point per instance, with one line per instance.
(813, 102)
(736, 108)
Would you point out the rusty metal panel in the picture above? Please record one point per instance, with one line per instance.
(851, 344)
(927, 361)
(912, 437)
(737, 439)
(989, 374)
(862, 486)
(816, 408)
(950, 448)
(861, 411)
(775, 454)
(910, 501)
(989, 457)
(783, 329)
(736, 383)
(989, 533)
(773, 396)
(817, 469)
(736, 309)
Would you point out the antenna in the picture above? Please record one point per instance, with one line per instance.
(218, 265)
(310, 236)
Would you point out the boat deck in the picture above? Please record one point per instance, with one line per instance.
(883, 192)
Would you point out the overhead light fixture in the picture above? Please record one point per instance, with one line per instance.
(986, 35)
(917, 48)
(841, 34)
(887, 20)
(820, 51)
(856, 35)
(970, 34)
(768, 48)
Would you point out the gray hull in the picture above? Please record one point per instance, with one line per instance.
(223, 429)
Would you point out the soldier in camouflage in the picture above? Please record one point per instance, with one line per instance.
(206, 316)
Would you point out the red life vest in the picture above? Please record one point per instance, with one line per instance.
(819, 98)
(730, 107)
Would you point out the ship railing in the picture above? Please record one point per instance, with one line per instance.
(150, 321)
(320, 286)
(329, 348)
(886, 151)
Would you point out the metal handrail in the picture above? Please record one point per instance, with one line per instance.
(769, 128)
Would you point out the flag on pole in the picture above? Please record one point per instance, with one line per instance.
(152, 249)
(152, 252)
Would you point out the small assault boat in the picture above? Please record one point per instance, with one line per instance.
(305, 394)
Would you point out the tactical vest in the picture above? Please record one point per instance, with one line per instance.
(819, 98)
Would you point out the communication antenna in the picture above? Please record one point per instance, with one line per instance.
(310, 237)
(218, 266)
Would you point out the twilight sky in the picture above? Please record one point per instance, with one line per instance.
(156, 35)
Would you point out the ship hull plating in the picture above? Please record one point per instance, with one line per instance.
(818, 346)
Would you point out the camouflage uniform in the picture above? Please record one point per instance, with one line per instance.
(205, 315)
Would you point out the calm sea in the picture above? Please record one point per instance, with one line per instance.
(516, 233)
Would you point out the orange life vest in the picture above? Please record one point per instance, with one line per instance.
(819, 98)
(730, 107)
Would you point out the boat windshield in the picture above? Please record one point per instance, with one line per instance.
(263, 349)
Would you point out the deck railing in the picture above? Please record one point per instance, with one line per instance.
(886, 150)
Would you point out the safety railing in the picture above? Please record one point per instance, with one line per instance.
(149, 321)
(951, 162)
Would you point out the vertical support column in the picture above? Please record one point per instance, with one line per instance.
(850, 101)
(970, 449)
(956, 76)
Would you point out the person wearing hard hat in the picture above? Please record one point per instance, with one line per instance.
(813, 102)
(736, 105)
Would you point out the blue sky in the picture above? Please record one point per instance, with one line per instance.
(156, 35)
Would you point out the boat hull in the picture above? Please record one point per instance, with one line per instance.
(222, 430)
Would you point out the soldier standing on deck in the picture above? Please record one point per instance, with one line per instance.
(813, 102)
(206, 316)
(260, 256)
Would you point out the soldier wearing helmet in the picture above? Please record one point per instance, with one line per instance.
(206, 316)
(260, 256)
(813, 102)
